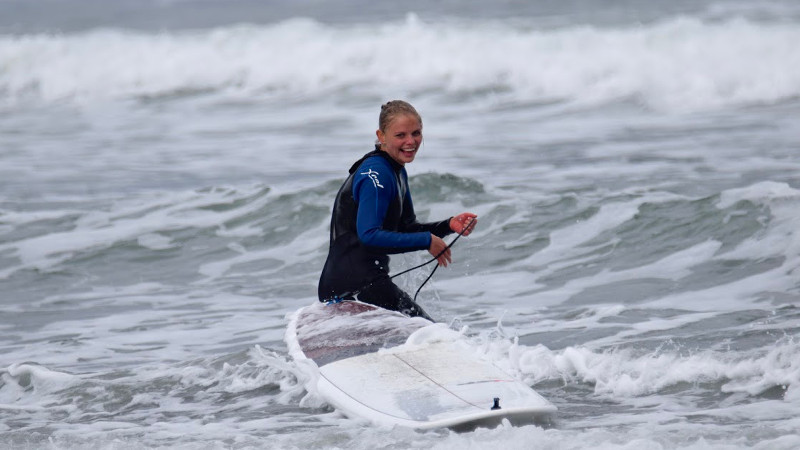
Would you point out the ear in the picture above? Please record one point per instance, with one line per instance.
(381, 136)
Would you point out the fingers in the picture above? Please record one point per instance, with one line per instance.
(440, 251)
(464, 223)
(469, 226)
(445, 258)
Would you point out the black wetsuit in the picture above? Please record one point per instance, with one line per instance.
(373, 216)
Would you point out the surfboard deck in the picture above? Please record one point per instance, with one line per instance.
(366, 371)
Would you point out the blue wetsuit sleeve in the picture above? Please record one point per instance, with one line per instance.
(374, 187)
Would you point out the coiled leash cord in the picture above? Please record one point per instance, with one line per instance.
(461, 233)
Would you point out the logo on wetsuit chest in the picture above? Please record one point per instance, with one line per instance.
(373, 175)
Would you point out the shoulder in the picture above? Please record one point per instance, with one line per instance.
(376, 161)
(376, 169)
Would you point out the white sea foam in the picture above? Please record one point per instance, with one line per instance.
(682, 63)
(625, 373)
(25, 386)
(155, 241)
(768, 192)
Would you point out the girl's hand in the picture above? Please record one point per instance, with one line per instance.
(439, 246)
(464, 222)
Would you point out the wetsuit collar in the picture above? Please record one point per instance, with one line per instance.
(377, 152)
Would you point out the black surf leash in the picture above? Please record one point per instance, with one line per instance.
(461, 233)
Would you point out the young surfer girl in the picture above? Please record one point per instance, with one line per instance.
(373, 216)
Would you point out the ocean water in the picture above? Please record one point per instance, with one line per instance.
(167, 170)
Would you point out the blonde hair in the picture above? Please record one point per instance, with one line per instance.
(394, 108)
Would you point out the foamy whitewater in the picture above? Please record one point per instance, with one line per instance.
(167, 171)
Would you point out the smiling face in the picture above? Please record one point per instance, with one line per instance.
(401, 138)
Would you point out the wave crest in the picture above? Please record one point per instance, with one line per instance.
(682, 63)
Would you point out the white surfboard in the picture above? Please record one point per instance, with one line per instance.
(367, 370)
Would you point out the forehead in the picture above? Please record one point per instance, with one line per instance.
(404, 122)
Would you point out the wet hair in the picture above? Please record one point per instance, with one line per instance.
(394, 108)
